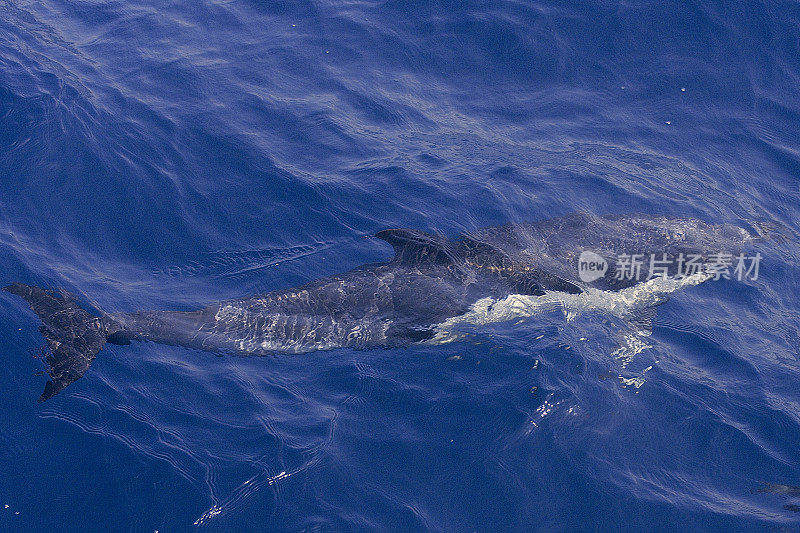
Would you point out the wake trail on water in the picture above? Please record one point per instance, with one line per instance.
(634, 306)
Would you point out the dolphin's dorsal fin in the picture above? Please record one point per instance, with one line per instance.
(415, 247)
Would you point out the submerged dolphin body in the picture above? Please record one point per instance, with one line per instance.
(430, 280)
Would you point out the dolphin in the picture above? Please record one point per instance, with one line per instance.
(431, 279)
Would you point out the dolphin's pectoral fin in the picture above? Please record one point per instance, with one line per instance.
(522, 278)
(535, 282)
(527, 285)
(415, 247)
(121, 338)
(555, 283)
(405, 333)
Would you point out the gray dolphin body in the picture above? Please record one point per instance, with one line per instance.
(397, 303)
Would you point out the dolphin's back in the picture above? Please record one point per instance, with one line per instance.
(385, 304)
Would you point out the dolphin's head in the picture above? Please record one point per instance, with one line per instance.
(602, 245)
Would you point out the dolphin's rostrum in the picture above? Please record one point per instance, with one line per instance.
(430, 279)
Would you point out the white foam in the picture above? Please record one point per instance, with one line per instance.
(622, 304)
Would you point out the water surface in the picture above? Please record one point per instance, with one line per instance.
(166, 156)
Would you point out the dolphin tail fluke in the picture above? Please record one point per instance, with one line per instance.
(73, 335)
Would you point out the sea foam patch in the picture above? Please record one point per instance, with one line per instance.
(623, 304)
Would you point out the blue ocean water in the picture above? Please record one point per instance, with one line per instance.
(165, 156)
